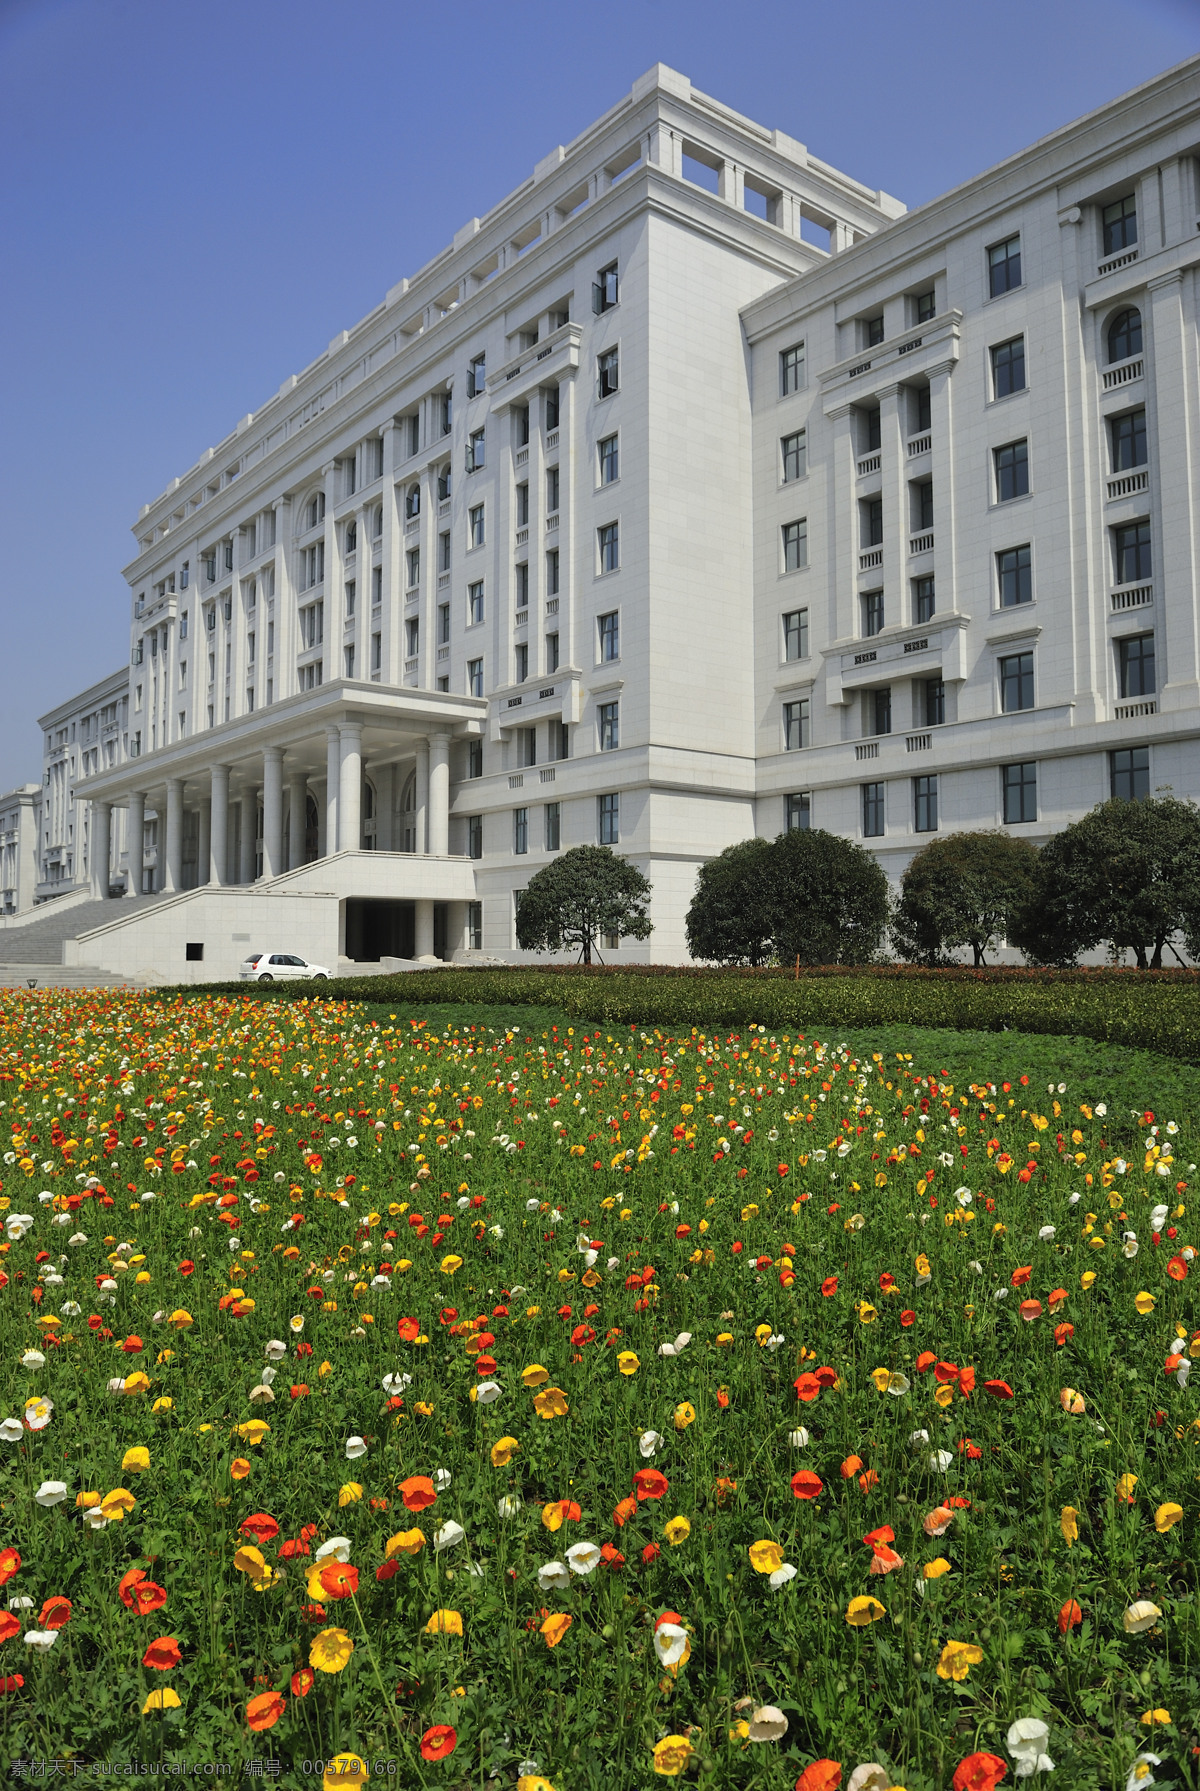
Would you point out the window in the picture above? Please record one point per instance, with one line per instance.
(604, 289)
(1127, 436)
(553, 826)
(377, 522)
(609, 461)
(444, 483)
(475, 758)
(791, 369)
(475, 926)
(872, 430)
(551, 489)
(523, 504)
(475, 677)
(521, 426)
(609, 371)
(610, 547)
(1129, 773)
(521, 661)
(871, 519)
(309, 677)
(350, 469)
(443, 625)
(796, 729)
(210, 620)
(1120, 224)
(922, 412)
(474, 836)
(229, 555)
(312, 625)
(1131, 552)
(444, 552)
(376, 653)
(879, 710)
(1016, 682)
(412, 637)
(475, 446)
(552, 573)
(348, 655)
(1125, 335)
(795, 545)
(797, 812)
(551, 653)
(315, 511)
(923, 598)
(312, 566)
(872, 331)
(183, 576)
(1008, 367)
(872, 810)
(351, 538)
(351, 597)
(872, 612)
(412, 503)
(447, 413)
(551, 397)
(476, 376)
(925, 815)
(521, 585)
(922, 504)
(520, 831)
(251, 642)
(412, 560)
(609, 627)
(475, 603)
(792, 448)
(795, 634)
(376, 586)
(607, 721)
(1135, 665)
(1018, 792)
(609, 816)
(1014, 571)
(1012, 471)
(1004, 266)
(475, 526)
(925, 306)
(933, 702)
(560, 740)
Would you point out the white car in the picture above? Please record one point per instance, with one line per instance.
(268, 967)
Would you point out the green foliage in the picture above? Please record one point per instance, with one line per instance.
(579, 896)
(807, 894)
(963, 890)
(1127, 874)
(732, 916)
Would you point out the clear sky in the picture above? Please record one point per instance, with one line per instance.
(196, 195)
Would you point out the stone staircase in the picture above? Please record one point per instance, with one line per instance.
(32, 950)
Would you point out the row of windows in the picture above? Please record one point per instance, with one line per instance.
(1128, 775)
(608, 826)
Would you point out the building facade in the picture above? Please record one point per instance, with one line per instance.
(695, 491)
(81, 738)
(20, 818)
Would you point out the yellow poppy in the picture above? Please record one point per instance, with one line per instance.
(672, 1755)
(551, 1402)
(933, 1570)
(344, 1771)
(253, 1431)
(766, 1557)
(166, 1699)
(350, 1493)
(404, 1542)
(1068, 1523)
(135, 1461)
(627, 1362)
(1166, 1517)
(957, 1660)
(330, 1651)
(503, 1451)
(535, 1375)
(677, 1530)
(445, 1623)
(685, 1414)
(863, 1610)
(115, 1504)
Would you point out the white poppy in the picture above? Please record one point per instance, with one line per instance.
(354, 1448)
(1158, 1217)
(94, 1518)
(583, 1558)
(649, 1443)
(782, 1574)
(798, 1438)
(41, 1639)
(941, 1460)
(396, 1383)
(336, 1549)
(442, 1479)
(261, 1395)
(1141, 1773)
(555, 1574)
(275, 1351)
(508, 1506)
(449, 1536)
(51, 1492)
(1045, 1234)
(670, 1640)
(768, 1724)
(488, 1392)
(1140, 1616)
(33, 1359)
(870, 1777)
(1026, 1741)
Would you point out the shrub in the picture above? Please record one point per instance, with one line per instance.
(830, 898)
(966, 889)
(580, 895)
(732, 919)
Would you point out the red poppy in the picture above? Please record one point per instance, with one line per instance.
(162, 1653)
(302, 1682)
(908, 1317)
(55, 1613)
(437, 1742)
(10, 1625)
(1063, 1332)
(409, 1330)
(11, 1683)
(264, 1711)
(10, 1561)
(966, 1381)
(925, 1360)
(260, 1526)
(132, 1346)
(648, 1483)
(822, 1775)
(979, 1772)
(624, 1511)
(1019, 1279)
(945, 1372)
(884, 1533)
(1177, 1269)
(611, 1556)
(290, 1549)
(1070, 1617)
(868, 1480)
(829, 1286)
(339, 1579)
(827, 1377)
(998, 1389)
(806, 1485)
(387, 1570)
(299, 1390)
(808, 1387)
(313, 1613)
(417, 1492)
(651, 1552)
(723, 1397)
(1056, 1298)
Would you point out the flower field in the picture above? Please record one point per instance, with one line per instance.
(571, 1407)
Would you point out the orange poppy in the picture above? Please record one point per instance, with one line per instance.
(808, 1387)
(339, 1579)
(303, 1682)
(979, 1772)
(998, 1389)
(925, 1360)
(162, 1653)
(868, 1480)
(1029, 1310)
(1177, 1269)
(10, 1683)
(10, 1561)
(624, 1511)
(260, 1526)
(648, 1483)
(1019, 1279)
(9, 1625)
(806, 1485)
(555, 1628)
(938, 1522)
(264, 1711)
(417, 1492)
(1069, 1617)
(850, 1466)
(55, 1613)
(1063, 1332)
(822, 1775)
(437, 1742)
(945, 1372)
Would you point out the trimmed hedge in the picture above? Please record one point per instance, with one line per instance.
(1151, 1010)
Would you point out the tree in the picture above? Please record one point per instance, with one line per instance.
(1128, 873)
(732, 918)
(966, 889)
(579, 895)
(829, 896)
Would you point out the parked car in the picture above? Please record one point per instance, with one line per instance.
(266, 967)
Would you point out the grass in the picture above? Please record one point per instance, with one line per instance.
(762, 1206)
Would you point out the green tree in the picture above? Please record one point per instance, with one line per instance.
(580, 895)
(830, 899)
(1127, 874)
(965, 889)
(732, 917)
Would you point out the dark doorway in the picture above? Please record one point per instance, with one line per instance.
(377, 930)
(312, 826)
(439, 929)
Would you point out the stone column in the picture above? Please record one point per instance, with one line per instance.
(204, 844)
(897, 515)
(439, 795)
(297, 818)
(421, 798)
(100, 845)
(135, 841)
(333, 773)
(456, 928)
(1175, 420)
(350, 788)
(173, 878)
(218, 862)
(424, 930)
(272, 811)
(248, 836)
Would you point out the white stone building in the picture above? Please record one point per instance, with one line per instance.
(20, 814)
(697, 490)
(81, 738)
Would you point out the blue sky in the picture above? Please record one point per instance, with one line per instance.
(195, 197)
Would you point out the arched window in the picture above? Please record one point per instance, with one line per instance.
(412, 502)
(443, 483)
(1125, 335)
(351, 537)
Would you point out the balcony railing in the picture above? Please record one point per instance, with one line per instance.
(1127, 484)
(918, 742)
(1132, 711)
(868, 561)
(552, 606)
(1123, 373)
(920, 444)
(921, 543)
(552, 521)
(870, 463)
(521, 457)
(1131, 597)
(867, 749)
(1125, 259)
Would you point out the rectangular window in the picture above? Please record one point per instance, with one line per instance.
(795, 634)
(1127, 436)
(551, 407)
(872, 612)
(1129, 774)
(560, 740)
(872, 331)
(609, 460)
(922, 505)
(522, 584)
(552, 573)
(413, 564)
(608, 540)
(1018, 792)
(925, 804)
(475, 677)
(879, 710)
(925, 306)
(796, 725)
(350, 539)
(351, 595)
(475, 758)
(553, 826)
(795, 545)
(1120, 225)
(609, 373)
(1016, 682)
(475, 451)
(251, 643)
(412, 636)
(521, 659)
(1012, 471)
(922, 413)
(475, 603)
(444, 552)
(474, 836)
(475, 526)
(1131, 552)
(797, 812)
(923, 598)
(871, 424)
(791, 369)
(527, 746)
(609, 627)
(523, 504)
(447, 413)
(793, 450)
(552, 489)
(1008, 367)
(376, 653)
(475, 926)
(443, 625)
(1004, 266)
(312, 626)
(521, 426)
(604, 289)
(1135, 665)
(348, 657)
(608, 724)
(609, 817)
(871, 519)
(520, 831)
(477, 376)
(872, 810)
(1014, 573)
(933, 702)
(551, 653)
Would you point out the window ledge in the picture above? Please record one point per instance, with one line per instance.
(1022, 633)
(1008, 397)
